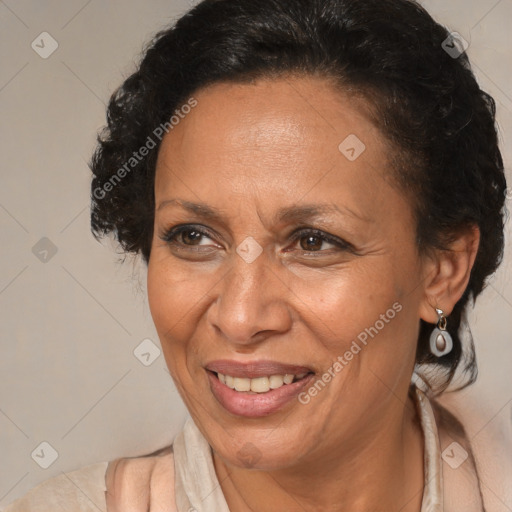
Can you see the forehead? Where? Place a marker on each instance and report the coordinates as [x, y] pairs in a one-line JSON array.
[[277, 140]]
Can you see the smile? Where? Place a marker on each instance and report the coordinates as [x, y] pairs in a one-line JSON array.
[[256, 389], [259, 384]]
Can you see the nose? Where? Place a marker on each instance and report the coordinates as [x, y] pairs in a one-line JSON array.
[[252, 303]]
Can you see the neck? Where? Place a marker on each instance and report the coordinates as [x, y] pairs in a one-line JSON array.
[[381, 469]]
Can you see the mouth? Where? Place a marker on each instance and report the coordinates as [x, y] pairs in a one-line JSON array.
[[258, 385], [256, 389]]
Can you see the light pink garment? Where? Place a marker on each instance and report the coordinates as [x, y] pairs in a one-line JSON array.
[[78, 491], [197, 488]]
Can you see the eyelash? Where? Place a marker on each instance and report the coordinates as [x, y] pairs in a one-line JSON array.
[[171, 234], [324, 237]]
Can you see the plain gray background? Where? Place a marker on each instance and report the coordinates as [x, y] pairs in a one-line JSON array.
[[72, 319]]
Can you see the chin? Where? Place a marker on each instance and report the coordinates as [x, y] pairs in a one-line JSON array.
[[262, 456], [250, 445]]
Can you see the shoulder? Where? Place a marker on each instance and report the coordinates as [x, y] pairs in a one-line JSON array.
[[141, 483], [460, 477], [77, 491], [132, 483], [472, 464]]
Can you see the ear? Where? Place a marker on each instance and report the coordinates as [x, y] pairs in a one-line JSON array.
[[447, 274]]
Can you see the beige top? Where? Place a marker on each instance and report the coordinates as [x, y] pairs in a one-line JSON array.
[[197, 488]]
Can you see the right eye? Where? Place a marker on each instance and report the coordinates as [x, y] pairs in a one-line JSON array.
[[186, 236]]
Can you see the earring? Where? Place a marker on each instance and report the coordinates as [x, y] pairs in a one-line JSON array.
[[441, 342]]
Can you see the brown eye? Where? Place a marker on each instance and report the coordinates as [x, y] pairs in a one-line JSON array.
[[187, 236], [311, 242], [316, 241], [191, 237]]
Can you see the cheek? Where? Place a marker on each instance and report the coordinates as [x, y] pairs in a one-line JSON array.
[[349, 299], [173, 302], [174, 298], [365, 313]]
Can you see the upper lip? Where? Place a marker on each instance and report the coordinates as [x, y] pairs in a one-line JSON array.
[[254, 369]]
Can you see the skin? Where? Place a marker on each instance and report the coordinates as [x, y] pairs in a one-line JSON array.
[[249, 150]]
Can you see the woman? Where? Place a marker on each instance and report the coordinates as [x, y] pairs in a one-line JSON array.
[[318, 193]]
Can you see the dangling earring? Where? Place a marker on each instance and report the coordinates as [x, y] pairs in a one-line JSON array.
[[441, 342]]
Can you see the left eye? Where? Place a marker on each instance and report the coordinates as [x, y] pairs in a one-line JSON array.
[[315, 241]]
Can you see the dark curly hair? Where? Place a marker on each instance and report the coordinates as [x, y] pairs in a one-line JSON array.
[[426, 102]]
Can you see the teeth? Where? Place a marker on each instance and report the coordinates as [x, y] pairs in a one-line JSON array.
[[242, 384], [259, 384], [288, 379], [230, 382], [276, 381]]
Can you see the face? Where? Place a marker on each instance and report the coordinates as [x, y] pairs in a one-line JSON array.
[[283, 251]]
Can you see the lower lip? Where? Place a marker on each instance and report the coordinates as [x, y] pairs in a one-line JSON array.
[[255, 405]]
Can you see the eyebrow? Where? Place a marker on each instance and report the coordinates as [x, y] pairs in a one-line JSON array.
[[297, 213]]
